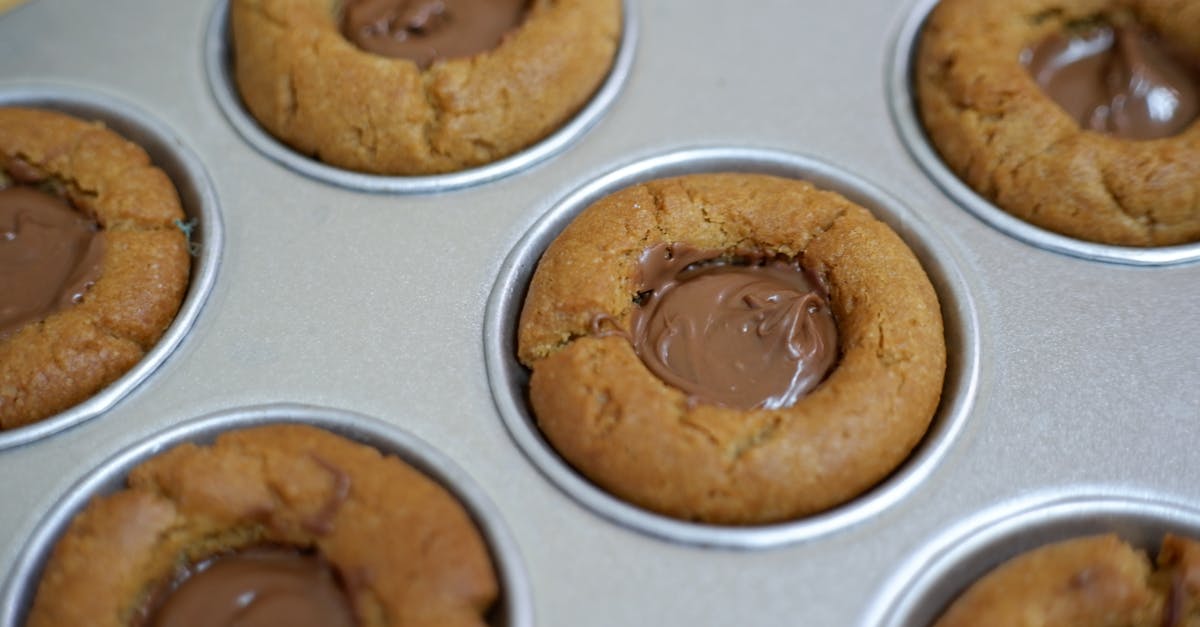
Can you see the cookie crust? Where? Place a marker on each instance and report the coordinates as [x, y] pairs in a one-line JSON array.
[[1013, 145], [405, 549], [640, 439], [319, 93], [49, 366], [1086, 582]]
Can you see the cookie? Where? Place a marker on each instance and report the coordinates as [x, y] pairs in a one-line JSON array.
[[353, 532], [719, 460], [52, 359], [310, 86], [1099, 144], [1091, 581]]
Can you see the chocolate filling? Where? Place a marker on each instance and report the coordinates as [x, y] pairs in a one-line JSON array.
[[746, 332], [50, 254], [1120, 80], [255, 587], [428, 30]]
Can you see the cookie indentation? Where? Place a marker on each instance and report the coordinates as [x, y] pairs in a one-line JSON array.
[[259, 587], [50, 255], [746, 332], [427, 30], [1119, 80]]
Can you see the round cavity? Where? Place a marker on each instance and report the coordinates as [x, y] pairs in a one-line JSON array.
[[902, 102], [514, 609], [509, 379], [206, 235], [218, 54], [929, 582]]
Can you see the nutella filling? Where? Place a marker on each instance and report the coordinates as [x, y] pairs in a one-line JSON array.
[[750, 332], [50, 254], [428, 30], [1118, 80], [259, 587]]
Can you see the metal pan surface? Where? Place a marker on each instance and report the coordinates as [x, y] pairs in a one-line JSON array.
[[1073, 373]]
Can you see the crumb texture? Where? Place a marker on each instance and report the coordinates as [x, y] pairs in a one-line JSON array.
[[609, 416], [1015, 146]]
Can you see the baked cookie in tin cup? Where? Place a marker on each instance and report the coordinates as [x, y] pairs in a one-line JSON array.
[[825, 305], [1077, 117], [419, 88], [1074, 556], [94, 264], [1087, 581], [282, 514]]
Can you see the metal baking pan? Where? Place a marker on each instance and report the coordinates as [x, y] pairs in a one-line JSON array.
[[1073, 381]]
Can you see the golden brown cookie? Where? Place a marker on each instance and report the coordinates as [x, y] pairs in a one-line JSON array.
[[998, 131], [405, 550], [309, 86], [51, 365], [644, 441], [1094, 581]]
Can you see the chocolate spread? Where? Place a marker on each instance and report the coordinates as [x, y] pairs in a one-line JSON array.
[[260, 587], [50, 254], [743, 332], [427, 30], [1119, 80]]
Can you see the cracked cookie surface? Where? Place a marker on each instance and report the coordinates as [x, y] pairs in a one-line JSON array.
[[404, 549], [632, 434], [319, 93], [53, 364], [997, 130]]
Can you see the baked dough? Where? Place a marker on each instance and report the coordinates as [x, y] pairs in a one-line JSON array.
[[1093, 581], [642, 440], [319, 93], [49, 366], [405, 549], [1010, 142]]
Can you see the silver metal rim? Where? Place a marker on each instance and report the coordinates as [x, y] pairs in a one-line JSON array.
[[912, 132], [218, 55], [198, 195], [516, 609], [508, 378], [929, 581]]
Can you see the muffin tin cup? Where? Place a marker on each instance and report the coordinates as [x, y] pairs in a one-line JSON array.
[[509, 379], [515, 607], [218, 55], [200, 206], [902, 103], [926, 584]]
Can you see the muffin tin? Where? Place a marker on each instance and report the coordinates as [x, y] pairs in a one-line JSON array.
[[1073, 379]]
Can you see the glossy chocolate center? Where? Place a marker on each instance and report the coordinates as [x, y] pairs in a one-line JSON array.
[[427, 30], [744, 333], [261, 587], [1117, 80], [50, 254]]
